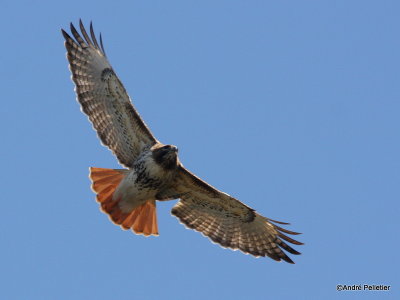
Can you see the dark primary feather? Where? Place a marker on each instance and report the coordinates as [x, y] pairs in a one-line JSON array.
[[103, 97], [227, 221]]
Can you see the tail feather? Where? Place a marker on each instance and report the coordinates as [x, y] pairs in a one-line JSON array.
[[142, 220]]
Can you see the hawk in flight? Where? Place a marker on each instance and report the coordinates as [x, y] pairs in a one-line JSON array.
[[153, 171]]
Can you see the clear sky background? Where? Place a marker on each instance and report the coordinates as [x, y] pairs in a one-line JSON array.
[[290, 106]]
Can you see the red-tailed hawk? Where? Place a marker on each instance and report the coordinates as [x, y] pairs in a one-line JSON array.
[[153, 170]]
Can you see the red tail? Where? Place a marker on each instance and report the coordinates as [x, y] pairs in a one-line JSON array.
[[142, 220]]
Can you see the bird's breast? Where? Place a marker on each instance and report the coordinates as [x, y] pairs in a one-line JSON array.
[[142, 184]]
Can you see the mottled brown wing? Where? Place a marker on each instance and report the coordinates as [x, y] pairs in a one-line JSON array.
[[104, 99], [227, 221]]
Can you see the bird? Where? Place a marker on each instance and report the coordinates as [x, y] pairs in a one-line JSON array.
[[152, 170]]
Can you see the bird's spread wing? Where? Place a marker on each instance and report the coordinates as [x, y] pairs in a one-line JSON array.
[[227, 221], [104, 99]]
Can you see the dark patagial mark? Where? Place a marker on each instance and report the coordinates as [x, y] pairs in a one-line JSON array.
[[132, 113]]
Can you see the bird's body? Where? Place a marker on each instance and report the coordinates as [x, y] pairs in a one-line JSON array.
[[153, 170], [148, 178]]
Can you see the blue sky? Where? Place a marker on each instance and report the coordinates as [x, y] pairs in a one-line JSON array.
[[290, 106]]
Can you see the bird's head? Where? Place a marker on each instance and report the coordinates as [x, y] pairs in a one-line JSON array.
[[166, 156]]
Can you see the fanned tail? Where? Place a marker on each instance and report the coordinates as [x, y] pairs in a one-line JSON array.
[[142, 220]]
